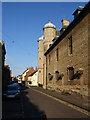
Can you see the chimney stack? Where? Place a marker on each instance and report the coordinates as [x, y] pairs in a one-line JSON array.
[[36, 68], [65, 23], [77, 11]]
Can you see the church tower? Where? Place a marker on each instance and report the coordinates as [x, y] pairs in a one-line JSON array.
[[40, 61], [49, 35], [44, 43]]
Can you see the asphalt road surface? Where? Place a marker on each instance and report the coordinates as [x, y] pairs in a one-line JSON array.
[[40, 105], [34, 104]]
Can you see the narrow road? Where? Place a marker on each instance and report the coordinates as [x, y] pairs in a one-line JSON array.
[[12, 109], [36, 104]]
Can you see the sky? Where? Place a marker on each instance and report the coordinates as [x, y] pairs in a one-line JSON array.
[[22, 25]]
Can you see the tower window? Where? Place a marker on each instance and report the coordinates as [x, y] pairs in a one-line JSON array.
[[57, 54], [39, 71], [70, 45], [49, 59]]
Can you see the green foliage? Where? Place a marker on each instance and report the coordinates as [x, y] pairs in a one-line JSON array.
[[78, 74], [61, 76], [50, 77]]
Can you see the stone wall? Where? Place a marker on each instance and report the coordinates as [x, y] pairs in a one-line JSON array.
[[78, 59], [40, 61]]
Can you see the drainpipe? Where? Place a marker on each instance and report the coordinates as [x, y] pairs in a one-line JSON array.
[[46, 71]]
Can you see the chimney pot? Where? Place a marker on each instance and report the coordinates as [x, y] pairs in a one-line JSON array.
[[77, 11], [65, 23], [36, 68]]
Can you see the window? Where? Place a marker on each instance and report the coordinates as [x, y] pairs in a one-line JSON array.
[[30, 82], [70, 73], [70, 45], [49, 59], [50, 45], [39, 71], [57, 54], [56, 75]]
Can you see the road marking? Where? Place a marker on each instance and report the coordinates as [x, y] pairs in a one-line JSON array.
[[66, 103]]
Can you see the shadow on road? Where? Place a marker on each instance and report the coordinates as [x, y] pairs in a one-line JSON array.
[[21, 109], [30, 109]]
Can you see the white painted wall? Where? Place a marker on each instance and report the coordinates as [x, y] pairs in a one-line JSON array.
[[19, 79], [24, 74], [33, 79]]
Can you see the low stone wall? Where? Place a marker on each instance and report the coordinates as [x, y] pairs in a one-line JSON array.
[[71, 90]]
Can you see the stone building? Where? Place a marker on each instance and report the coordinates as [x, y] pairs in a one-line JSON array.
[[2, 56], [44, 43], [67, 58], [3, 52], [63, 60], [6, 72]]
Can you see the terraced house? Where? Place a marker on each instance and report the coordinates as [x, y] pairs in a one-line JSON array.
[[67, 57]]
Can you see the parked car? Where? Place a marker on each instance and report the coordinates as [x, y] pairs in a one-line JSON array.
[[22, 84], [12, 91], [16, 84]]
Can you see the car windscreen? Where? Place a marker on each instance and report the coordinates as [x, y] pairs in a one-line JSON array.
[[12, 88]]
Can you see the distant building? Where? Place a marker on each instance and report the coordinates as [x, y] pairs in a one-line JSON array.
[[33, 79], [19, 78], [26, 73]]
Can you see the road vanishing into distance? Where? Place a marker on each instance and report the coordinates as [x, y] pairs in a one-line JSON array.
[[34, 104]]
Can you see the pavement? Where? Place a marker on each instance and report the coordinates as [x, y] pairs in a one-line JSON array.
[[76, 100]]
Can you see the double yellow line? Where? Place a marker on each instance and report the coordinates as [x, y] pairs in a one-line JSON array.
[[65, 103]]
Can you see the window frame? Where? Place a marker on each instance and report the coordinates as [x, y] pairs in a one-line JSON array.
[[70, 49], [57, 53], [49, 59]]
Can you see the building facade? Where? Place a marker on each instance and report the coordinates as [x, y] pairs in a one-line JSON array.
[[24, 76], [19, 78], [44, 43], [33, 79], [6, 72], [66, 60], [26, 73]]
